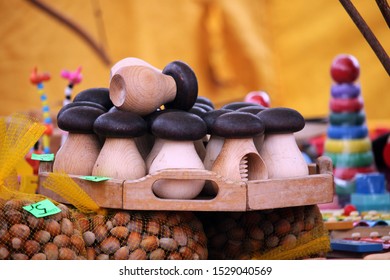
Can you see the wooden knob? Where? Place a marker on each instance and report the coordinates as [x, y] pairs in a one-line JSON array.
[[141, 88]]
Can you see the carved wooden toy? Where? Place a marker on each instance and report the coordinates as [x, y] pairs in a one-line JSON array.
[[204, 100], [215, 143], [179, 129], [279, 149], [95, 95], [119, 157], [255, 109], [141, 88], [158, 142], [82, 146], [239, 159]]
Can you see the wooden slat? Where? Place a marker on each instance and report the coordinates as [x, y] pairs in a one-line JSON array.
[[279, 193], [138, 195], [107, 194]]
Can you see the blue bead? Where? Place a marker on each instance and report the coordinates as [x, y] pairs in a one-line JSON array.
[[347, 132]]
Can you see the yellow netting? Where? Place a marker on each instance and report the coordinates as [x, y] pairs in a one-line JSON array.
[[18, 133], [63, 185]]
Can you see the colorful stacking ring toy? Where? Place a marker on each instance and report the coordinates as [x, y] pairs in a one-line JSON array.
[[339, 105], [348, 146], [357, 118], [352, 159], [347, 132], [345, 90], [349, 173]]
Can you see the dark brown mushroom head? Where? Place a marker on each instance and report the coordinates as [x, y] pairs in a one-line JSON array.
[[186, 85], [149, 119], [206, 101], [281, 120], [96, 95], [237, 125], [120, 124], [180, 126], [210, 117], [237, 105], [79, 117], [254, 109], [197, 110], [80, 103]]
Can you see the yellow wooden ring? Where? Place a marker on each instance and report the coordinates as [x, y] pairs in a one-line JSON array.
[[347, 145]]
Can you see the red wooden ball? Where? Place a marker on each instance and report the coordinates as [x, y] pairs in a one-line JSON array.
[[345, 68]]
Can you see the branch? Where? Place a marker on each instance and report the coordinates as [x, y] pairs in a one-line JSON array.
[[367, 33], [73, 26]]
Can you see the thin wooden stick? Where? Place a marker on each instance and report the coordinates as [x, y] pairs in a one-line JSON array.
[[367, 33], [385, 10], [75, 27]]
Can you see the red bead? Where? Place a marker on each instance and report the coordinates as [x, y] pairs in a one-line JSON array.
[[258, 97], [345, 69], [348, 209]]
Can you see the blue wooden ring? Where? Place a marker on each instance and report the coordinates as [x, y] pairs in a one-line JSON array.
[[347, 132]]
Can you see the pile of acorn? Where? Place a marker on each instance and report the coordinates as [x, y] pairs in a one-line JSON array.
[[119, 235], [150, 120]]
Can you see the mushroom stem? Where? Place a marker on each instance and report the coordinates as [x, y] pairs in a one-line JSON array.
[[282, 156], [119, 158], [78, 154], [158, 143], [145, 144], [177, 154], [213, 148], [230, 161], [141, 89]]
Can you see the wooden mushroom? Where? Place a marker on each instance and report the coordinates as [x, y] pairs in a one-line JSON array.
[[255, 109], [158, 142], [141, 88], [215, 143], [280, 150], [237, 105], [82, 146], [205, 100], [96, 95], [119, 157], [179, 129], [200, 147], [239, 159]]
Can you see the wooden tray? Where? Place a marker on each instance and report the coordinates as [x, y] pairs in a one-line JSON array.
[[317, 187]]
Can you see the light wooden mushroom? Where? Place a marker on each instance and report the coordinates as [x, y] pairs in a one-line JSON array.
[[254, 109], [179, 129], [119, 157], [158, 142], [141, 88], [215, 143], [239, 159], [280, 151], [82, 146]]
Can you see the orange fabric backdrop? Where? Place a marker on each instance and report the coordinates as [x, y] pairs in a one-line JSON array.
[[234, 46]]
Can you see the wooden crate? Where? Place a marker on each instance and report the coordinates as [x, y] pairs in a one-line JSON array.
[[317, 187]]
